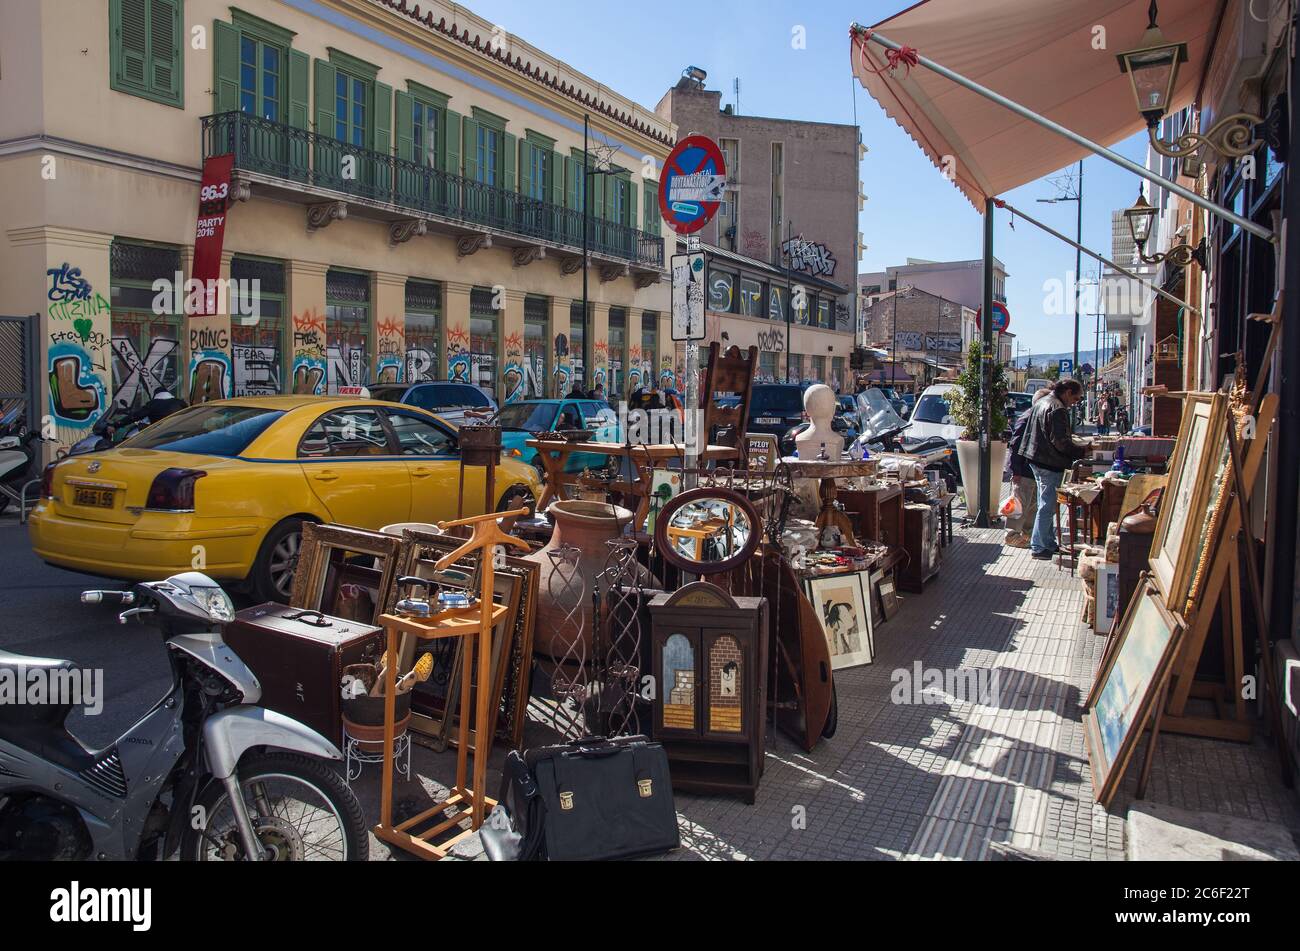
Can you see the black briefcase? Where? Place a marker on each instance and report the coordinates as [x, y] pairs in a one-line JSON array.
[[592, 799]]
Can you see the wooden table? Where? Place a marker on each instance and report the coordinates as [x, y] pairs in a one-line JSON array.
[[644, 458], [827, 471]]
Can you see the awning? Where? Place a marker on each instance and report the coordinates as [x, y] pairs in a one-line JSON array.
[[1040, 53]]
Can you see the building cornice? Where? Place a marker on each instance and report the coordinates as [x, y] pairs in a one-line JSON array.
[[54, 145], [67, 237]]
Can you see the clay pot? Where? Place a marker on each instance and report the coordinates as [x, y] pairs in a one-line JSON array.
[[587, 526]]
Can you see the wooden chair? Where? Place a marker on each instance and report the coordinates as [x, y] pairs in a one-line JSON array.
[[729, 372]]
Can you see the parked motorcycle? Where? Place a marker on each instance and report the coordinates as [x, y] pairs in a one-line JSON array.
[[205, 773], [110, 429], [17, 456]]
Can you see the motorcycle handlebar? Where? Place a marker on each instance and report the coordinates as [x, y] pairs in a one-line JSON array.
[[108, 597]]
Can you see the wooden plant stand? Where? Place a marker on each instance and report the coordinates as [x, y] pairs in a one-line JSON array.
[[415, 835]]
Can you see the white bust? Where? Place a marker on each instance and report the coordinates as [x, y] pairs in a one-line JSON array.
[[819, 403]]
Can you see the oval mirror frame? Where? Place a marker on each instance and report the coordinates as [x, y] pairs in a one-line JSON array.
[[674, 558]]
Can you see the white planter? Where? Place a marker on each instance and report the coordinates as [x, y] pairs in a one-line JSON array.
[[968, 457]]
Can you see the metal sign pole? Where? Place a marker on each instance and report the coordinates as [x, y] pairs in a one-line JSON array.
[[693, 435]]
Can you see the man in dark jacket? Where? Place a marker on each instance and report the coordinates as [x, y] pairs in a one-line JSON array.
[[1022, 479], [1051, 449]]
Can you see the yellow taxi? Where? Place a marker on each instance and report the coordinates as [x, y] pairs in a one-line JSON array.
[[226, 487]]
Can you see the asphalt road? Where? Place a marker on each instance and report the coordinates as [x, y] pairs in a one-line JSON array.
[[41, 614]]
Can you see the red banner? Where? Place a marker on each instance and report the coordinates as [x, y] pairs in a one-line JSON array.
[[210, 233]]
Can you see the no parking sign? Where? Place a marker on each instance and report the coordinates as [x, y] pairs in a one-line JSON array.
[[692, 185]]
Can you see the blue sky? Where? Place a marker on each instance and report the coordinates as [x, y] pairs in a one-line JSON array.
[[640, 49]]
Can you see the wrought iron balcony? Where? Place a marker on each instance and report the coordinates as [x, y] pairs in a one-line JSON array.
[[321, 167]]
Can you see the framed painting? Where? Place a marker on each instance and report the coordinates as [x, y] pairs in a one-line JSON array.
[[843, 609], [1127, 685], [1188, 494], [435, 710], [345, 572], [1107, 598]]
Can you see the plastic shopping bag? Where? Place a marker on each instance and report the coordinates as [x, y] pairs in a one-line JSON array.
[[1011, 507]]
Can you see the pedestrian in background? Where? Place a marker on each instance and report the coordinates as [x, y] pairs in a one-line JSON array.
[[1023, 486], [1050, 448]]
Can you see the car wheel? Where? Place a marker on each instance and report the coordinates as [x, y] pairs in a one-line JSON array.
[[272, 576], [516, 497]]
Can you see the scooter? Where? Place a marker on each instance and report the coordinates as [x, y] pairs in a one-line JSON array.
[[17, 452], [206, 772], [110, 429]]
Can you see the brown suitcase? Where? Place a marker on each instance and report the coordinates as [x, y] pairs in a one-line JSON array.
[[299, 656]]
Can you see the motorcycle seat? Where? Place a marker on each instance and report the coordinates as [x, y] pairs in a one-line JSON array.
[[21, 662]]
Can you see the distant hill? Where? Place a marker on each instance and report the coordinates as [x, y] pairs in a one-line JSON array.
[[1086, 355]]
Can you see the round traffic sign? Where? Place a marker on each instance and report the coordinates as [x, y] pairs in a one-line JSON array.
[[692, 184], [1001, 317]]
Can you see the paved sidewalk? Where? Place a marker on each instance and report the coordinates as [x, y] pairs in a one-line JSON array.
[[953, 778]]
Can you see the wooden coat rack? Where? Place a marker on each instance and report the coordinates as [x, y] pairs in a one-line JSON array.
[[467, 796]]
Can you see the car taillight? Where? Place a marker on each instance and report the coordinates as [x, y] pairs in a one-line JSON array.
[[47, 481], [173, 490]]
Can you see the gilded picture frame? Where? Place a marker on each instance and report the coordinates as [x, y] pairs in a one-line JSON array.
[[329, 559]]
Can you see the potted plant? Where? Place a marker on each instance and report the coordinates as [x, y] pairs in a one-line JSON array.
[[965, 409]]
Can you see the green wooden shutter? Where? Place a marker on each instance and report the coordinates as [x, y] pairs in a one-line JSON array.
[[557, 166], [324, 98], [165, 48], [570, 183], [383, 118], [299, 90], [403, 126], [299, 110], [383, 137], [597, 191], [225, 62], [328, 155], [525, 168], [511, 153], [133, 42], [452, 146], [631, 206], [470, 163]]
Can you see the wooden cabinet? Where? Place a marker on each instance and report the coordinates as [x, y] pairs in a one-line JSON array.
[[877, 513], [709, 661], [921, 542]]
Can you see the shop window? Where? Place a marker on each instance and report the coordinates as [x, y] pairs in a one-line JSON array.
[[146, 340], [347, 329], [649, 346], [536, 346], [255, 344], [423, 330], [751, 297], [837, 372], [145, 52], [767, 366], [777, 300], [795, 367], [577, 344], [617, 354], [722, 287], [483, 330], [818, 369]]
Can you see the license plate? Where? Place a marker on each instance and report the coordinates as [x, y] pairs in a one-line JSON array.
[[768, 420], [98, 498]]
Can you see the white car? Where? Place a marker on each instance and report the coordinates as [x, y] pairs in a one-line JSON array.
[[932, 415]]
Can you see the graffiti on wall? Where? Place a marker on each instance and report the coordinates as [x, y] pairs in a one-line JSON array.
[[600, 363], [771, 341], [347, 367], [390, 351], [563, 373], [309, 353], [211, 373], [458, 363], [755, 243], [514, 377], [256, 370], [810, 257], [667, 376], [78, 341], [140, 378], [634, 374]]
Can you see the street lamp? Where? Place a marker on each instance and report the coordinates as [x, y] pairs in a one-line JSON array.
[[1152, 69], [1140, 219]]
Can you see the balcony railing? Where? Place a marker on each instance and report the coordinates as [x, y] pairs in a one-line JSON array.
[[319, 161]]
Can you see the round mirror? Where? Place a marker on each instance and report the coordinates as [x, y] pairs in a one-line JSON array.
[[707, 531]]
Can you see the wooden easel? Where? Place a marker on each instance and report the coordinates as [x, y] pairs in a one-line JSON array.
[[1224, 590], [454, 623]]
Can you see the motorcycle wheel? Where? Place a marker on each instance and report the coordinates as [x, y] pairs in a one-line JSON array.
[[290, 798]]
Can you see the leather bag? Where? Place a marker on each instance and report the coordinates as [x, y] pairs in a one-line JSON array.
[[589, 800]]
